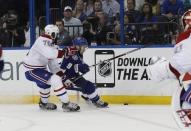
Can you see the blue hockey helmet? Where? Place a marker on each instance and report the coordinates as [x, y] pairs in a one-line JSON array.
[[80, 41]]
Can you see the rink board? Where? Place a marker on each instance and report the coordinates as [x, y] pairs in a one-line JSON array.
[[130, 83], [113, 99]]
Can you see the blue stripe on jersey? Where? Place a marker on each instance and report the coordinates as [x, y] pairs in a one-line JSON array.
[[62, 94]]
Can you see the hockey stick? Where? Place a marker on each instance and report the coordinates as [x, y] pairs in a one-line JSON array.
[[123, 54], [118, 56]]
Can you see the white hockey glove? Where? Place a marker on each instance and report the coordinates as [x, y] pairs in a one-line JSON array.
[[158, 69]]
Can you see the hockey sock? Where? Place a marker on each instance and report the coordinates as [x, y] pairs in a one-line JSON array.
[[44, 95], [61, 93], [94, 97]]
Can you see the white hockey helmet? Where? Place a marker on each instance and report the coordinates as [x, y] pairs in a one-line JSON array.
[[186, 20], [52, 31]]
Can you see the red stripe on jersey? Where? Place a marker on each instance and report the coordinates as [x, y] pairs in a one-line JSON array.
[[174, 71], [60, 53], [182, 36], [187, 77], [46, 36], [60, 73]]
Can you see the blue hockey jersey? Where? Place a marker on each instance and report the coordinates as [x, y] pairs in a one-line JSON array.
[[73, 65]]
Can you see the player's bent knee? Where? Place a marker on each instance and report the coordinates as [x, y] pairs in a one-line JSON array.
[[56, 81], [158, 69], [89, 88]]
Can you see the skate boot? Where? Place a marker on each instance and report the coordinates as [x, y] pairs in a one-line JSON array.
[[87, 100], [70, 107], [100, 104], [47, 106]]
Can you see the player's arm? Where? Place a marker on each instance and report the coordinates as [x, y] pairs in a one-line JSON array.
[[54, 66], [52, 52], [81, 66], [48, 50]]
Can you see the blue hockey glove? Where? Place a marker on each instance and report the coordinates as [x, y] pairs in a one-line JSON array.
[[67, 83]]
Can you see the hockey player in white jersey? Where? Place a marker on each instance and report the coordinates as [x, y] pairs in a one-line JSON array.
[[180, 63], [42, 68]]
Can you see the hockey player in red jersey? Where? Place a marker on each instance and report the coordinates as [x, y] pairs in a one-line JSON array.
[[180, 62], [178, 66], [42, 67], [186, 24]]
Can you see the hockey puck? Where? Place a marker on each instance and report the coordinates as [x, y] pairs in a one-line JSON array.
[[125, 104]]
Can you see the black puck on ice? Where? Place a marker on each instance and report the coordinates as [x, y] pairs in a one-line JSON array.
[[125, 104]]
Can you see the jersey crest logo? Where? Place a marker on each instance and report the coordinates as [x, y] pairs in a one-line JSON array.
[[69, 65], [46, 75], [75, 57], [104, 68]]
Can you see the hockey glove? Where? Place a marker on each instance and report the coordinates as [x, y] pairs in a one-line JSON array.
[[83, 68], [70, 51], [66, 82]]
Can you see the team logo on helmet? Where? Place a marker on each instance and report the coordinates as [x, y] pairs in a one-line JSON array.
[[104, 68]]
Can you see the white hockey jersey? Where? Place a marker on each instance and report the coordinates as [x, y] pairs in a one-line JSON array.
[[42, 54]]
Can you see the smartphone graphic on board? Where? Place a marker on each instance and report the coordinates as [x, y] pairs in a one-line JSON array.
[[105, 71]]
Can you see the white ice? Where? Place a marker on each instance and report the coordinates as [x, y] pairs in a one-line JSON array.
[[114, 118]]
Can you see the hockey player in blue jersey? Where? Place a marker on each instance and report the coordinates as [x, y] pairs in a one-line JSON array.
[[73, 66]]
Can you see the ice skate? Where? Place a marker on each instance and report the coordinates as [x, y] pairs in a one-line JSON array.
[[100, 104], [70, 107], [47, 106], [86, 99]]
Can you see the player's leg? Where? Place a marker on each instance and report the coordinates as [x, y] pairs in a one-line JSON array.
[[89, 89], [181, 106], [186, 97], [40, 77], [60, 91], [43, 103]]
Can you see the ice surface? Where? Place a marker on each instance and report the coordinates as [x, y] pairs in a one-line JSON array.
[[114, 118]]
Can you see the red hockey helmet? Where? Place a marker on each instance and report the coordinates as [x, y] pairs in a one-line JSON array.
[[186, 20]]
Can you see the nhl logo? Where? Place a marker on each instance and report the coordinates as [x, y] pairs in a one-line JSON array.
[[104, 68]]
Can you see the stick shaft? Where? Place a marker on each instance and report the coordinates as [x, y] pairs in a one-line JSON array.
[[123, 54]]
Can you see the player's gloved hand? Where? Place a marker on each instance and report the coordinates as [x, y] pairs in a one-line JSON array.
[[83, 68], [70, 51], [66, 82]]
